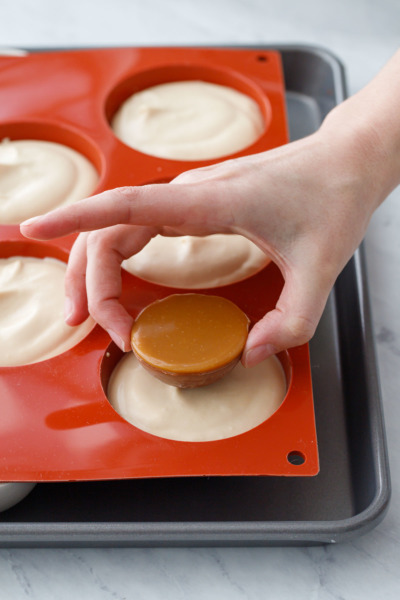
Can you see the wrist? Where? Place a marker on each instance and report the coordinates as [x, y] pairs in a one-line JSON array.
[[372, 121], [369, 148]]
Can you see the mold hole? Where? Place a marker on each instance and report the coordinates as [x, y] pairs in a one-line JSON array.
[[296, 458], [31, 307], [189, 126], [262, 58]]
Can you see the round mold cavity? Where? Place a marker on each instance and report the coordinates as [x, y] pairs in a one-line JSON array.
[[48, 131], [181, 73], [154, 263], [197, 262], [114, 355], [110, 360], [9, 248], [13, 492], [74, 337], [44, 131]]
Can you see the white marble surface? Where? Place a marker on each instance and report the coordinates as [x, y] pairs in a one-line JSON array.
[[364, 34]]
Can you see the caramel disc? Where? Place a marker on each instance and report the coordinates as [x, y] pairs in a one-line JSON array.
[[190, 339]]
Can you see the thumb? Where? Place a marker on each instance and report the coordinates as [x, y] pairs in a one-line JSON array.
[[293, 321]]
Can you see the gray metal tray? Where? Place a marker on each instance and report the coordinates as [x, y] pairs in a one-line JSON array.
[[348, 497]]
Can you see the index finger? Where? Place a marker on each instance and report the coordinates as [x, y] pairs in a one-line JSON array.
[[154, 205]]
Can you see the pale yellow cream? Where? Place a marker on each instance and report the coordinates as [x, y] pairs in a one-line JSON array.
[[189, 120], [32, 326], [38, 176], [233, 405], [197, 262]]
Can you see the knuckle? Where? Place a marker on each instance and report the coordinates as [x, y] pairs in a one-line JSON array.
[[97, 307], [95, 240], [300, 328], [186, 177], [125, 198], [70, 278], [94, 306], [126, 192]]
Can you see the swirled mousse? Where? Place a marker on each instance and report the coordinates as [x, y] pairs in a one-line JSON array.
[[38, 176], [237, 403], [190, 340], [189, 120], [194, 263], [32, 326]]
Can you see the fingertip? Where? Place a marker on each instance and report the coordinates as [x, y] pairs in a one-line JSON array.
[[74, 321], [29, 222], [36, 228], [122, 343], [253, 356], [26, 226], [68, 310], [74, 316]]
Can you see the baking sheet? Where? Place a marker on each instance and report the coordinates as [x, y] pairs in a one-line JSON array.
[[351, 492]]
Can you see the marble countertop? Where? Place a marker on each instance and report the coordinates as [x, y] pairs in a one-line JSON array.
[[363, 34]]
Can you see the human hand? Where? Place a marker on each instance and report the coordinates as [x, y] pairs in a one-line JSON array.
[[306, 204]]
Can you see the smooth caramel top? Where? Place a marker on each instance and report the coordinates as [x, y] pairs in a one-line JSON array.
[[190, 333]]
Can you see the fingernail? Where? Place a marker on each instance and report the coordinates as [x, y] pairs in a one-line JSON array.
[[68, 309], [29, 221], [256, 355], [117, 339]]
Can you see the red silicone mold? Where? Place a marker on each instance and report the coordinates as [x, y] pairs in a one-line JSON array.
[[57, 424]]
